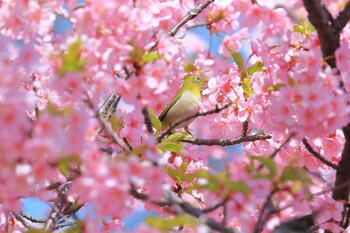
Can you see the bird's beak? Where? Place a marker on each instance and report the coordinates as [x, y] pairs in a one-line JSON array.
[[205, 82]]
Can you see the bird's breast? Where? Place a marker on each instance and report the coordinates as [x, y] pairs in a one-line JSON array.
[[187, 105]]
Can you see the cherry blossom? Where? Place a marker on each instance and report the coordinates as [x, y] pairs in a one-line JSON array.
[[79, 114]]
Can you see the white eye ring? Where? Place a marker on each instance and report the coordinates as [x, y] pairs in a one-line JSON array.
[[197, 78]]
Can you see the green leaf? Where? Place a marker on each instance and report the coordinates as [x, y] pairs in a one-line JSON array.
[[290, 173], [155, 122], [246, 87], [207, 181], [169, 224], [64, 163], [55, 111], [305, 28], [116, 123], [239, 186], [238, 59], [177, 174], [175, 137], [172, 173], [291, 82], [173, 147], [218, 182], [136, 54], [71, 60], [190, 68], [268, 163], [138, 150], [276, 87], [298, 28], [257, 67], [151, 56]]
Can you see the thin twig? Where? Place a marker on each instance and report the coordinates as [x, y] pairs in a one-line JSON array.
[[200, 24], [227, 142], [110, 132], [173, 126], [107, 150], [273, 155], [282, 145], [127, 143], [245, 128], [113, 106], [70, 209], [261, 222], [148, 121], [214, 207], [106, 126], [190, 15], [32, 219], [58, 206], [145, 197], [24, 223], [180, 206], [343, 18], [183, 206], [318, 156], [65, 224], [108, 107]]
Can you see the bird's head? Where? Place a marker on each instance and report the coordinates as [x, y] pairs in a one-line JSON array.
[[194, 82]]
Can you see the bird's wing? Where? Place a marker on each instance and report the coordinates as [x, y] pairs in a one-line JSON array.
[[166, 110]]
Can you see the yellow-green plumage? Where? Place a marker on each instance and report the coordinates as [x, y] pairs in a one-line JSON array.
[[185, 103]]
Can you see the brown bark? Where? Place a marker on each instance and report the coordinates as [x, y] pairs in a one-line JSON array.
[[328, 30]]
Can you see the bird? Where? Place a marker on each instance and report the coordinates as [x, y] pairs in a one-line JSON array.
[[185, 103]]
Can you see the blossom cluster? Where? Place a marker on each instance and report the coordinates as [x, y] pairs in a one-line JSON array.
[[268, 67]]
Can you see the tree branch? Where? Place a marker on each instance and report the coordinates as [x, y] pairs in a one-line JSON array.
[[214, 207], [57, 208], [273, 155], [108, 107], [301, 224], [24, 223], [227, 142], [329, 36], [174, 200], [148, 121], [65, 224], [342, 186], [328, 29], [245, 128], [343, 18], [110, 132], [318, 156], [180, 206], [173, 126], [105, 125], [190, 15], [32, 219], [268, 203]]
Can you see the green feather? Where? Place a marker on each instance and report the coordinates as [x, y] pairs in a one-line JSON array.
[[191, 84], [168, 107]]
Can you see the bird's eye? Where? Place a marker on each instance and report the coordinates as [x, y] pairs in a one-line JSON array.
[[197, 78]]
